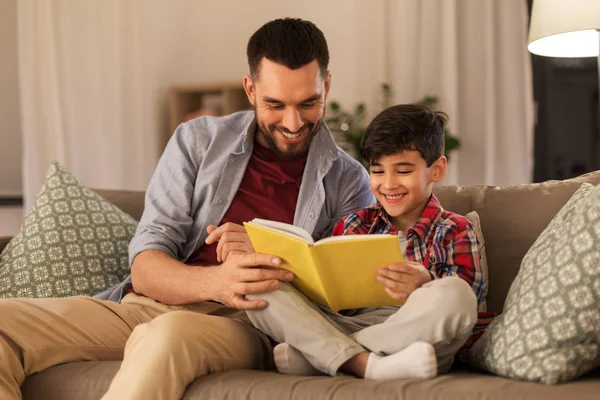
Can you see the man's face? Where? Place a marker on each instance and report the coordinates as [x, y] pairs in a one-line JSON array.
[[289, 105], [402, 183]]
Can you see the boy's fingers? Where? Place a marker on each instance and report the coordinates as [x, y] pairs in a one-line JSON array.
[[394, 285], [401, 267], [396, 296], [393, 275]]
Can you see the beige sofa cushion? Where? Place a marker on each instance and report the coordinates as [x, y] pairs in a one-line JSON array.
[[89, 381], [512, 218]]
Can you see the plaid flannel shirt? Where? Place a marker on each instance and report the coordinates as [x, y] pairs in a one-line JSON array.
[[443, 242]]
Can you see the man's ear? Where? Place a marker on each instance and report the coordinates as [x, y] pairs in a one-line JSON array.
[[249, 88], [327, 83], [438, 169]]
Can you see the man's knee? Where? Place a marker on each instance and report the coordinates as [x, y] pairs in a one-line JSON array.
[[211, 338], [177, 326]]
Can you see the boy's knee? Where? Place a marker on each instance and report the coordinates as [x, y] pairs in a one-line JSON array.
[[454, 297]]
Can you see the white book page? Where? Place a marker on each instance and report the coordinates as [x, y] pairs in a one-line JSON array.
[[348, 238], [284, 228]]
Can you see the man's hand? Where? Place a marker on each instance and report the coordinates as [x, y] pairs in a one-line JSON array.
[[245, 274], [232, 239], [403, 279]]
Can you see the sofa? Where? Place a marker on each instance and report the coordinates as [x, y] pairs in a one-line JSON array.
[[511, 217]]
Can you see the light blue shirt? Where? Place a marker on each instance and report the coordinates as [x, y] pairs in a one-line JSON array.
[[199, 174]]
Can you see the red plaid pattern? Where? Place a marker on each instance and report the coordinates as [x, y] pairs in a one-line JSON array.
[[443, 242]]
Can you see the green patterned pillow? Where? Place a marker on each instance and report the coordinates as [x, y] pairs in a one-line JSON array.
[[73, 242], [550, 328]]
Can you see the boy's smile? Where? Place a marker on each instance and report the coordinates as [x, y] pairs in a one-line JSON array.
[[402, 183]]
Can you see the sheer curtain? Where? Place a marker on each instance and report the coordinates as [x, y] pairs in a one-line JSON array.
[[85, 97], [472, 54], [94, 75]]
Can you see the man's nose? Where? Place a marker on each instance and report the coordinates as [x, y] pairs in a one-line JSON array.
[[292, 120]]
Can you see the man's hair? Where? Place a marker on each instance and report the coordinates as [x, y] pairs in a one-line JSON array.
[[405, 127], [289, 41]]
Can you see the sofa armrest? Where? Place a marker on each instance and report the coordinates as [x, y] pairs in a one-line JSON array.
[[3, 242]]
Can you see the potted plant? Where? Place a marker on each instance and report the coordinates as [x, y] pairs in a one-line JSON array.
[[349, 127]]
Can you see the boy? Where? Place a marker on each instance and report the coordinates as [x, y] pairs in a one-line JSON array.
[[440, 281]]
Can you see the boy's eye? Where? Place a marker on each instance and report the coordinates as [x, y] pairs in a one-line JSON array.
[[404, 172], [376, 172]]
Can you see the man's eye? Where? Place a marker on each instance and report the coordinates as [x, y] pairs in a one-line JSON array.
[[308, 105], [275, 106]]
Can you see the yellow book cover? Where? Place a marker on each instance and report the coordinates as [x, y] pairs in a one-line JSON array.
[[339, 272]]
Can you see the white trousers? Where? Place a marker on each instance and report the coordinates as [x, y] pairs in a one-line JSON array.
[[442, 312]]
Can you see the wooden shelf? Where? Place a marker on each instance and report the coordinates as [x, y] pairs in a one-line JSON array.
[[214, 98]]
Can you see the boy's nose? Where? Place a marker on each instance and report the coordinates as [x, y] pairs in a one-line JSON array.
[[389, 182]]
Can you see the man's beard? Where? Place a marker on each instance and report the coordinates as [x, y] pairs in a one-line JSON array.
[[269, 132]]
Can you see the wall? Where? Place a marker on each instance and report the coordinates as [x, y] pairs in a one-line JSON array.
[[10, 122], [96, 74], [205, 41]]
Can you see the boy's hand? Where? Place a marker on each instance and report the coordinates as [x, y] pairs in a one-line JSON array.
[[232, 239], [403, 279]]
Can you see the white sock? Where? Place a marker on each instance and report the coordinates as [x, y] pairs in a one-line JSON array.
[[292, 362], [416, 361]]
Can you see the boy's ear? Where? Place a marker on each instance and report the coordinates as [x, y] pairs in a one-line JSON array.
[[438, 169]]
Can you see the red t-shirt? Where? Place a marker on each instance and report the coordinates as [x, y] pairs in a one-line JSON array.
[[268, 190]]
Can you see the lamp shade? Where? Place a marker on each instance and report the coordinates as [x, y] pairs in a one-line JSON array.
[[564, 28]]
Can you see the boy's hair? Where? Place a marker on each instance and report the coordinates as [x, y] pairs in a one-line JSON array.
[[405, 127], [289, 41]]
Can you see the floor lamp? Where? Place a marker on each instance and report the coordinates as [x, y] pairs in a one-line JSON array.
[[566, 28]]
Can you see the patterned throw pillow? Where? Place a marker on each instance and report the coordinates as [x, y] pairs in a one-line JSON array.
[[550, 328], [73, 242]]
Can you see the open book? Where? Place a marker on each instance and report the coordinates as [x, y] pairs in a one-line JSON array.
[[339, 272]]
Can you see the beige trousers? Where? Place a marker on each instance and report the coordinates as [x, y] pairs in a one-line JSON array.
[[163, 348], [442, 312]]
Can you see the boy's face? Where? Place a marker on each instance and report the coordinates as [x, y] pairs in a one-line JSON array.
[[402, 183]]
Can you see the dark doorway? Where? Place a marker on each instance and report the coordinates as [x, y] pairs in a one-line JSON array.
[[567, 130]]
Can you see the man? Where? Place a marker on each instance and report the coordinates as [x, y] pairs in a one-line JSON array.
[[181, 315]]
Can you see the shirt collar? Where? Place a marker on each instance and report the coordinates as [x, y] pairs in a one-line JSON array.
[[431, 215]]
